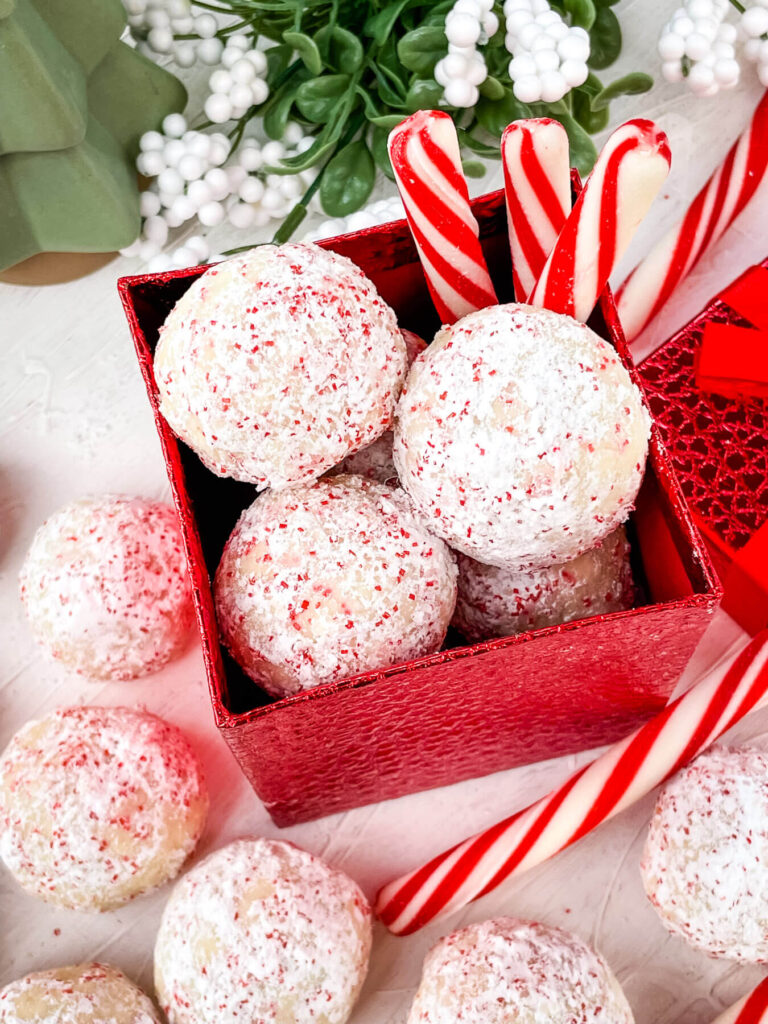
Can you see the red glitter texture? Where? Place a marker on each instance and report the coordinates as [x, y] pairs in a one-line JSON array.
[[466, 711]]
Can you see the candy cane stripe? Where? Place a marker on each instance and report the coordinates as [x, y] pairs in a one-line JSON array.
[[752, 1009]]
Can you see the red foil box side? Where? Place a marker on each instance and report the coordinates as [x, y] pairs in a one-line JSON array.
[[466, 711]]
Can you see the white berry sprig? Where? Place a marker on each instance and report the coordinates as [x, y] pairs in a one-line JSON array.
[[549, 57], [239, 84], [753, 27], [169, 28], [697, 46], [463, 69]]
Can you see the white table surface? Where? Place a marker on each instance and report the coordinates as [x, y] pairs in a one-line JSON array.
[[74, 419]]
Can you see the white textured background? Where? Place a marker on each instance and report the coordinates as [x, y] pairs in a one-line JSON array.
[[74, 419]]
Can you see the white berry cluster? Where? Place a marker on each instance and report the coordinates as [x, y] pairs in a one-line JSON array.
[[754, 28], [155, 24], [549, 57], [462, 70], [380, 212], [697, 45], [192, 181], [239, 84]]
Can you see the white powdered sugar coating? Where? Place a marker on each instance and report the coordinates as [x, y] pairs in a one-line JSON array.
[[98, 805], [90, 993], [275, 365], [331, 579], [507, 970], [705, 860], [494, 602], [262, 931], [521, 437], [375, 462], [105, 587]]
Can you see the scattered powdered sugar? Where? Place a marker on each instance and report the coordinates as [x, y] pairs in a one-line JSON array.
[[90, 993], [105, 587], [494, 602], [275, 365], [521, 437], [331, 579], [262, 931], [705, 860], [508, 970], [98, 805]]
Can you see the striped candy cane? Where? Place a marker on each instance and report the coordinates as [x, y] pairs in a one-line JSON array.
[[752, 1009], [627, 175], [425, 156], [615, 780], [537, 184], [715, 207]]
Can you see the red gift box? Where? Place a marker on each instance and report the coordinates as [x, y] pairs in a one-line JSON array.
[[465, 711]]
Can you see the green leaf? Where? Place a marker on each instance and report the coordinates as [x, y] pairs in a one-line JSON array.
[[380, 25], [277, 110], [387, 121], [342, 50], [318, 98], [306, 49], [387, 93], [590, 120], [492, 89], [289, 225], [583, 152], [347, 180], [495, 115], [604, 39], [379, 137], [477, 146], [278, 59], [422, 48], [321, 148], [424, 94], [473, 168], [582, 12], [627, 85]]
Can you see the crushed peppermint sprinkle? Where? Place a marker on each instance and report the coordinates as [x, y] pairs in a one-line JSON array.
[[98, 805], [504, 970], [331, 579], [705, 860], [375, 461], [521, 437], [262, 931], [276, 365], [91, 993], [494, 602], [105, 587]]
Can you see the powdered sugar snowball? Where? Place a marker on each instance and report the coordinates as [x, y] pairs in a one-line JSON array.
[[98, 805], [494, 602], [90, 993], [508, 970], [331, 579], [705, 860], [105, 587], [375, 461], [277, 364], [262, 931], [521, 437]]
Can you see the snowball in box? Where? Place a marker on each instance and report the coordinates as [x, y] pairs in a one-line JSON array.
[[275, 365], [521, 437]]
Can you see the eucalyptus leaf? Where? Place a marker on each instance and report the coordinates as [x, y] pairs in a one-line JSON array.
[[348, 180], [306, 49], [583, 152], [380, 151], [582, 12], [604, 39], [492, 88], [318, 98], [342, 50], [424, 94], [422, 48], [627, 85]]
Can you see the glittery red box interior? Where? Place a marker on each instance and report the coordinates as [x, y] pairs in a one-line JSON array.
[[466, 711]]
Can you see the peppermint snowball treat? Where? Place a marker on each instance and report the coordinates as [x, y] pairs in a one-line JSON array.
[[276, 365], [262, 931], [331, 579], [521, 437], [105, 587], [375, 461], [705, 861], [84, 994], [505, 971], [494, 602], [98, 805]]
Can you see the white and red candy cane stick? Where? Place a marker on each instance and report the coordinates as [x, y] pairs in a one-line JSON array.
[[625, 773], [425, 156], [719, 202], [752, 1009], [537, 184], [625, 180]]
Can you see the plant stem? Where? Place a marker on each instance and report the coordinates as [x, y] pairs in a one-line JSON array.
[[739, 6]]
